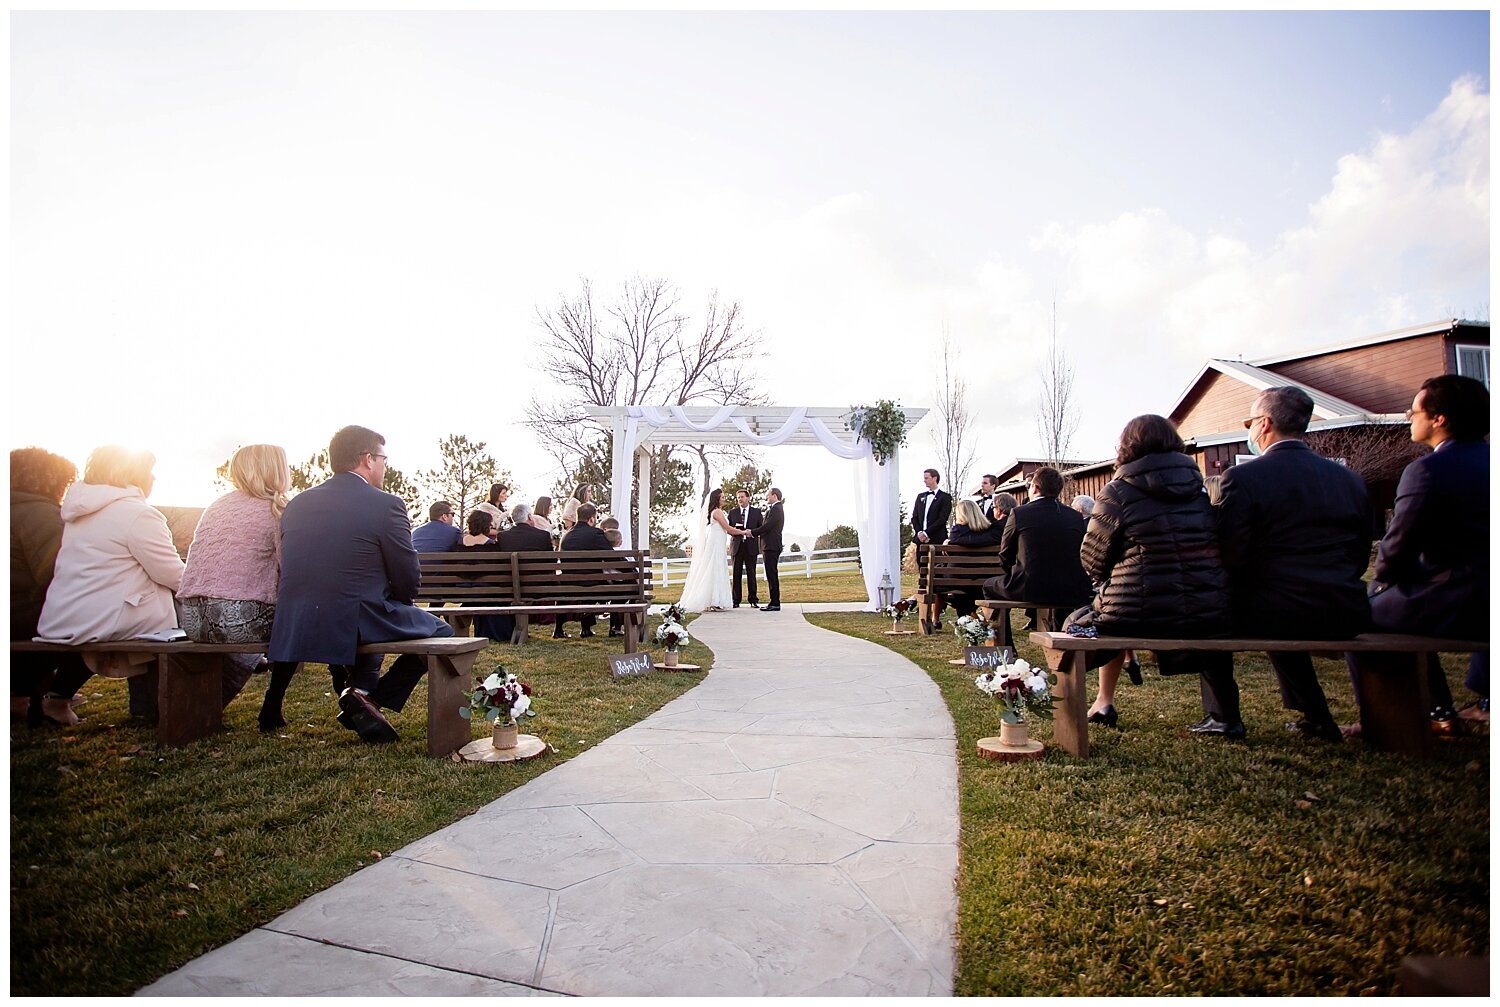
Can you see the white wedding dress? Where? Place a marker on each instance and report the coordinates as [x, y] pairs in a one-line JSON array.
[[707, 585]]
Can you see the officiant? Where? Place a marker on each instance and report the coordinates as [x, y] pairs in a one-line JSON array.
[[747, 549]]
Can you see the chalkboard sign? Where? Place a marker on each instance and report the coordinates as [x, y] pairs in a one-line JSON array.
[[986, 657], [630, 664]]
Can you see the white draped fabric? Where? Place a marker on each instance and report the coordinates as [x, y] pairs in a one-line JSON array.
[[875, 500]]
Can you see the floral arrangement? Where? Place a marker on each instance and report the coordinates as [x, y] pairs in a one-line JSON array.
[[883, 425], [501, 697], [671, 633], [1019, 689], [898, 610], [972, 630], [674, 613]]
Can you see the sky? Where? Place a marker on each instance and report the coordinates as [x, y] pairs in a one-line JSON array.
[[258, 227]]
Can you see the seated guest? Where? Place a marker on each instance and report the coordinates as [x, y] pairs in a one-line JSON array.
[[38, 480], [584, 536], [1212, 485], [1152, 547], [584, 494], [116, 570], [1039, 552], [616, 541], [1294, 533], [1004, 504], [438, 534], [973, 530], [481, 531], [541, 514], [348, 577], [1432, 571], [495, 505], [228, 592], [523, 535]]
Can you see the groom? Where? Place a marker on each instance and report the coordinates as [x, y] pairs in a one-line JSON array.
[[769, 534], [745, 518]]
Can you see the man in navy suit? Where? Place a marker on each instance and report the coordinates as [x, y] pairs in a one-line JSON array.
[[1294, 534], [1432, 571], [348, 577], [439, 534]]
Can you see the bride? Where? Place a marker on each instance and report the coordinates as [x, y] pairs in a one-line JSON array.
[[707, 584]]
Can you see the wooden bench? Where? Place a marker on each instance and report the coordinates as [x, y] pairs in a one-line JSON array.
[[1048, 617], [526, 584], [943, 568], [188, 694], [1393, 689]]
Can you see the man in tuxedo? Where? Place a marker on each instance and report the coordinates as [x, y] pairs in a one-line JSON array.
[[348, 577], [582, 537], [769, 536], [929, 516], [745, 548], [1432, 571], [1039, 552], [985, 498], [1294, 534], [439, 534]]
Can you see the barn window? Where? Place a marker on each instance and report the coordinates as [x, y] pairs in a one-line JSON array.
[[1474, 362]]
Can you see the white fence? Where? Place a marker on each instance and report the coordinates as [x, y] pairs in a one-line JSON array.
[[666, 571]]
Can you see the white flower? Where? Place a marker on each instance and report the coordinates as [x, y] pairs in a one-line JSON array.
[[1020, 663], [493, 682], [520, 706], [1037, 683]]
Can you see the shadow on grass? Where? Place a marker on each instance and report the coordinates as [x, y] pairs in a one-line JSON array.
[[1170, 864], [128, 861]]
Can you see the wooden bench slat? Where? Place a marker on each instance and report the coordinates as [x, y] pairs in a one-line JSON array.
[[1364, 643]]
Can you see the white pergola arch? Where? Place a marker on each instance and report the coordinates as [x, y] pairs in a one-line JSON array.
[[877, 495]]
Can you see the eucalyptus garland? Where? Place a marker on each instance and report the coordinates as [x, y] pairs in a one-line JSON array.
[[883, 425]]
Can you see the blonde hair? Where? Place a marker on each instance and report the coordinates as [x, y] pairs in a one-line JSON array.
[[970, 514], [113, 465], [260, 471]]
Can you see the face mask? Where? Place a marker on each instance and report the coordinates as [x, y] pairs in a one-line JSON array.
[[1253, 447]]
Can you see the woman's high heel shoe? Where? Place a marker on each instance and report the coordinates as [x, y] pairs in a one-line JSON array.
[[1107, 716]]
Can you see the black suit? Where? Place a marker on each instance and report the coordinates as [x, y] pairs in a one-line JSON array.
[[930, 514], [1039, 547], [745, 549], [524, 538], [769, 534], [1294, 533], [582, 537], [348, 576]]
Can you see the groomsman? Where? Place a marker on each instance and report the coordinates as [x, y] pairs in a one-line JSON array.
[[929, 518], [985, 498], [745, 549], [769, 534]]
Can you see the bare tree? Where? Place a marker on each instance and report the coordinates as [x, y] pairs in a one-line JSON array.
[[954, 421], [1376, 452], [640, 349], [1057, 413]]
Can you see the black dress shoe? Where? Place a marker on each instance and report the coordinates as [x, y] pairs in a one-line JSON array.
[[364, 717], [737, 605], [1133, 669], [1210, 725], [617, 632], [1313, 729], [1108, 716], [587, 634], [771, 608]]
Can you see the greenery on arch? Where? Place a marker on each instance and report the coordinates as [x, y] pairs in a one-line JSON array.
[[883, 425]]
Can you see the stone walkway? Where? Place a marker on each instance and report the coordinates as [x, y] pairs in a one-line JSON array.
[[788, 827]]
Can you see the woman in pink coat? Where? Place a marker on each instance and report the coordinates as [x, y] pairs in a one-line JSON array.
[[117, 568], [228, 592]]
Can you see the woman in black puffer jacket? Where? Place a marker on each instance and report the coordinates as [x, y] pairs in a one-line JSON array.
[[1152, 547]]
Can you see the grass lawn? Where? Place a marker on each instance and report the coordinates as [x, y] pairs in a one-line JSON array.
[[795, 587], [1168, 864], [127, 861]]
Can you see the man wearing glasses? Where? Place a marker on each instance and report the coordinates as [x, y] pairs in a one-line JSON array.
[[348, 577], [1294, 533]]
